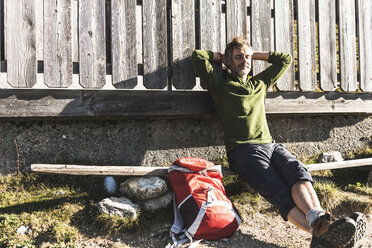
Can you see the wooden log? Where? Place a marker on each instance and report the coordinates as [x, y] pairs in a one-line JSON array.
[[95, 170], [340, 165]]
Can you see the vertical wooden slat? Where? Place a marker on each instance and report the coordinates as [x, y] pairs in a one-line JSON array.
[[261, 30], [155, 44], [39, 29], [75, 30], [92, 43], [348, 67], [211, 37], [236, 19], [306, 45], [57, 43], [365, 44], [210, 25], [183, 23], [124, 44], [327, 45], [284, 39], [21, 43]]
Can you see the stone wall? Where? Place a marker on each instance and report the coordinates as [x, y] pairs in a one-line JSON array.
[[153, 142]]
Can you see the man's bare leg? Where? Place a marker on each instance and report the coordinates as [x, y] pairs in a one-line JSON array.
[[298, 218], [305, 199], [304, 196]]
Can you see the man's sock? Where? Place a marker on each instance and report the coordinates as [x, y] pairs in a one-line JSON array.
[[313, 215]]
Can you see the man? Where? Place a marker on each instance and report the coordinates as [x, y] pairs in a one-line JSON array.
[[267, 166]]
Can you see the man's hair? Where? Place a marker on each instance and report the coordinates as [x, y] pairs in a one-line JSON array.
[[236, 42]]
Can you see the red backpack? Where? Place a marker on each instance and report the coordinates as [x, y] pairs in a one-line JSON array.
[[202, 209]]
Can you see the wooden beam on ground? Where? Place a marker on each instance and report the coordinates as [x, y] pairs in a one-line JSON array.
[[62, 103], [340, 165], [95, 170]]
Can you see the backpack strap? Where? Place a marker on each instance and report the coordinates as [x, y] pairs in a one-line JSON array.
[[178, 234]]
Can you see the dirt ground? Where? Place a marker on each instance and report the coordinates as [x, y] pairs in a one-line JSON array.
[[258, 230]]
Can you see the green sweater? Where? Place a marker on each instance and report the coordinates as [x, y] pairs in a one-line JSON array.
[[241, 106]]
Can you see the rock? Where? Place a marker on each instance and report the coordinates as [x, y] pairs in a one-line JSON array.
[[158, 203], [143, 188], [23, 230], [332, 156], [109, 185], [119, 206]]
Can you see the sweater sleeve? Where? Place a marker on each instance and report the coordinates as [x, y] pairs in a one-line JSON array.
[[202, 62], [280, 62]]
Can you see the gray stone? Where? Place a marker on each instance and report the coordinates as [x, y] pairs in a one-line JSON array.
[[332, 156], [23, 230], [158, 203], [119, 206], [143, 188]]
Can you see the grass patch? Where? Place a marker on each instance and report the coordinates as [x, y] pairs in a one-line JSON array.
[[46, 205], [329, 194], [59, 211]]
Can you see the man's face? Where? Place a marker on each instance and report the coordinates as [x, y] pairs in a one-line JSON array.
[[240, 62]]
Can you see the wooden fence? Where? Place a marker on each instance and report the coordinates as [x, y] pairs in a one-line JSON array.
[[146, 44]]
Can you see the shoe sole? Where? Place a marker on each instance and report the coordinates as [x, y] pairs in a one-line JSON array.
[[361, 228], [339, 234]]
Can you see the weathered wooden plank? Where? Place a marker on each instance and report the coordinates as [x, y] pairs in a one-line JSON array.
[[155, 44], [327, 45], [21, 43], [306, 44], [365, 44], [57, 44], [97, 170], [284, 29], [183, 22], [211, 30], [340, 165], [348, 62], [124, 44], [32, 103], [75, 30], [236, 19], [261, 30], [39, 29], [210, 25], [92, 43]]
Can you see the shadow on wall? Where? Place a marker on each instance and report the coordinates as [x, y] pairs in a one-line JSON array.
[[314, 128]]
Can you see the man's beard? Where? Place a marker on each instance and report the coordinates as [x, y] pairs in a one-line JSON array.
[[244, 72]]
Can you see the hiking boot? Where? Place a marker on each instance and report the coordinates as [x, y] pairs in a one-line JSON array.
[[331, 233], [361, 228]]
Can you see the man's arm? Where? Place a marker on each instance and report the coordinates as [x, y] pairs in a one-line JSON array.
[[258, 55], [279, 63], [202, 60]]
